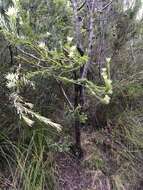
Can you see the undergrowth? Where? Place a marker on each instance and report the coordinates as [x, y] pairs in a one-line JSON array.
[[118, 141], [28, 157], [28, 164]]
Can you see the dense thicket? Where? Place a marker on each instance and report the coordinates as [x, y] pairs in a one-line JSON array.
[[70, 70]]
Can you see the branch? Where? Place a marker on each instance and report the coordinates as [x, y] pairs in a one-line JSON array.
[[65, 95], [37, 58], [105, 7], [82, 5], [30, 55]]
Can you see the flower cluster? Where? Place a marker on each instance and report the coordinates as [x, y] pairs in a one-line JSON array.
[[12, 79], [12, 12], [72, 51], [69, 39], [107, 80], [108, 83], [106, 99], [42, 45]]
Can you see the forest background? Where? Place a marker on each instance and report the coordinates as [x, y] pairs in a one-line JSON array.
[[71, 94]]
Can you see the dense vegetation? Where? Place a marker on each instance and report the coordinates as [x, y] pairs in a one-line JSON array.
[[71, 86]]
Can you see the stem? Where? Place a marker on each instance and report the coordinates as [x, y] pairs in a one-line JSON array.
[[11, 54], [77, 121], [78, 89]]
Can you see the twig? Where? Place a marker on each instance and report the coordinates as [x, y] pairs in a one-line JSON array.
[[30, 55], [105, 7], [65, 95], [37, 58], [82, 5]]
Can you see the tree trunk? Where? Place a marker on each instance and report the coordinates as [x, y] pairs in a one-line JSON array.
[[78, 101]]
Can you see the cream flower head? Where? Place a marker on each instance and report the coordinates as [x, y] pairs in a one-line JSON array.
[[72, 51], [106, 99], [12, 12], [42, 45], [69, 39], [108, 59]]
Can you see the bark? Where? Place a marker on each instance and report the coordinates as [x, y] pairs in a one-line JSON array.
[[78, 89], [11, 54], [91, 7]]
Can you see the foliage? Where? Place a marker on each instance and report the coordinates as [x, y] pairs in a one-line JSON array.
[[46, 47], [56, 61], [29, 163]]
